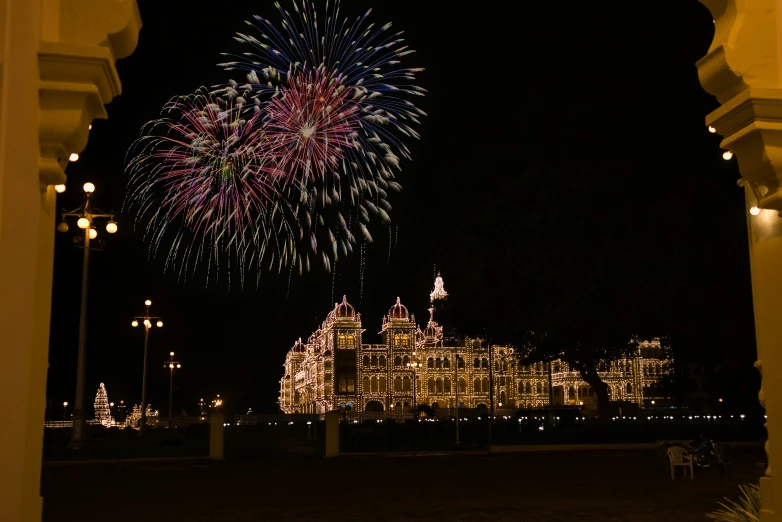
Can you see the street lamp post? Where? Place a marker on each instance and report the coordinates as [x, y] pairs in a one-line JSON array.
[[85, 215], [64, 410], [146, 320], [414, 365], [171, 365]]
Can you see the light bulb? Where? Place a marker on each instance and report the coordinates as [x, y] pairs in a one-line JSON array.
[[62, 226], [134, 324], [73, 157], [171, 366], [712, 129], [111, 227], [727, 155], [148, 302], [178, 365], [93, 233], [171, 354], [754, 211], [83, 222], [160, 324], [147, 323], [89, 188], [59, 188], [89, 127]]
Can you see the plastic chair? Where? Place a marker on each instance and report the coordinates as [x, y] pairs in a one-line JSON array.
[[680, 457]]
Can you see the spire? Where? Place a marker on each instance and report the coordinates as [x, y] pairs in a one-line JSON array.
[[439, 290]]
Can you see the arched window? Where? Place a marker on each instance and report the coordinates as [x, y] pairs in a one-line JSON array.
[[438, 363], [545, 388], [430, 363], [397, 384], [343, 384], [382, 361], [374, 384], [485, 363], [351, 385], [446, 363], [397, 361], [341, 341], [629, 388], [397, 340], [476, 363], [405, 361], [502, 397], [521, 387], [439, 385], [351, 340], [557, 367], [485, 384], [447, 385], [406, 384], [374, 360], [460, 363], [539, 388], [496, 366], [571, 393], [405, 340], [646, 370], [505, 366], [462, 385], [476, 385], [430, 385], [366, 360], [366, 384], [528, 388]]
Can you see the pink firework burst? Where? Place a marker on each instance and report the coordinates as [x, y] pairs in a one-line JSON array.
[[309, 126]]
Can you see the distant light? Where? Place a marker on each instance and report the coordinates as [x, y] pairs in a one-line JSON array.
[[89, 188], [160, 324], [89, 127], [721, 397], [171, 354], [93, 233], [754, 211], [65, 404], [727, 155], [59, 188], [73, 157], [148, 302], [712, 129], [134, 324]]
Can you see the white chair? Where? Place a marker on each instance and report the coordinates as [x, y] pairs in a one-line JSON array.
[[679, 457]]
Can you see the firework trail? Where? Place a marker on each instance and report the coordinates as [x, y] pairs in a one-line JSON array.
[[336, 108], [203, 184]]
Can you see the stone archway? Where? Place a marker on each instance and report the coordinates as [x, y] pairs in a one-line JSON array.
[[374, 407]]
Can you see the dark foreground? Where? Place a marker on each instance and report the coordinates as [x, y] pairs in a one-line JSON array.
[[560, 486]]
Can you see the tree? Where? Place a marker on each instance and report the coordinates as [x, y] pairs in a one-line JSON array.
[[102, 408], [586, 350]]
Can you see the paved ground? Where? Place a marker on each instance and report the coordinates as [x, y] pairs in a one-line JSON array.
[[624, 486]]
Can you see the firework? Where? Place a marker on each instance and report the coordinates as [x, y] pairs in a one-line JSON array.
[[203, 185], [335, 108]]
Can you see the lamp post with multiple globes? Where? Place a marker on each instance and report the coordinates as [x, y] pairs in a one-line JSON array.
[[85, 216], [171, 365], [146, 320], [414, 365]]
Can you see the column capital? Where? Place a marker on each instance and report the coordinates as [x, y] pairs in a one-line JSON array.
[[80, 43]]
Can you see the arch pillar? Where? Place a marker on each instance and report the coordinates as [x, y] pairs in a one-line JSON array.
[[742, 70], [57, 70]]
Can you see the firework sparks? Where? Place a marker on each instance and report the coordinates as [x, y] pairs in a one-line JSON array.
[[336, 107], [202, 183]]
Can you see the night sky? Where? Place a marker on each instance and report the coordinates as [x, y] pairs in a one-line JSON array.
[[564, 164]]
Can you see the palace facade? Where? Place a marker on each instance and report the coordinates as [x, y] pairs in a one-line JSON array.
[[334, 368]]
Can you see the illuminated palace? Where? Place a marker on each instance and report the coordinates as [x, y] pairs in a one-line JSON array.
[[334, 369]]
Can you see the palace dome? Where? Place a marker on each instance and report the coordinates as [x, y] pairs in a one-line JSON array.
[[398, 311], [344, 309], [430, 332]]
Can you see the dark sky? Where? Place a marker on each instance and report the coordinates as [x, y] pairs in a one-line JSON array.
[[564, 159]]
